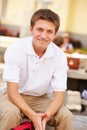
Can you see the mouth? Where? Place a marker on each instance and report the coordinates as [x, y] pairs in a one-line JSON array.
[[42, 40]]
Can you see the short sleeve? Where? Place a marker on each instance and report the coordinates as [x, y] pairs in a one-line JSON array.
[[12, 66], [59, 80]]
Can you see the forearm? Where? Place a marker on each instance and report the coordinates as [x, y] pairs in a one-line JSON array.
[[55, 104], [17, 99]]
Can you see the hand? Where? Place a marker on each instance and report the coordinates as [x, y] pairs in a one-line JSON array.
[[45, 118], [37, 121]]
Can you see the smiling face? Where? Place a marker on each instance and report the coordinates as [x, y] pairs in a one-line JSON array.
[[43, 33]]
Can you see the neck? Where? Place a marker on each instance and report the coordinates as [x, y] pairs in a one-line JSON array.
[[39, 50]]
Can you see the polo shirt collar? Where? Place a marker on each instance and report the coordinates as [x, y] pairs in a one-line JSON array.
[[49, 51]]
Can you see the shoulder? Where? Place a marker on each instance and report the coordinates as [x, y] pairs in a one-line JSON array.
[[60, 57], [17, 50], [20, 44], [57, 51]]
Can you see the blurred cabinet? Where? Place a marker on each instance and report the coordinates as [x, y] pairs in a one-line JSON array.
[[77, 77]]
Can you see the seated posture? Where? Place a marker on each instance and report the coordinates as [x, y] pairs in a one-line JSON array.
[[66, 46], [35, 73]]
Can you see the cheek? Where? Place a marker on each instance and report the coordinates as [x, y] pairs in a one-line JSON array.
[[36, 33], [52, 37]]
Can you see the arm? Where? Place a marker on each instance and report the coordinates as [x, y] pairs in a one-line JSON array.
[[53, 107], [59, 84], [16, 98], [55, 104]]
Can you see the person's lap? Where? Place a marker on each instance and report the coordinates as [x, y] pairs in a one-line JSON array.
[[38, 104]]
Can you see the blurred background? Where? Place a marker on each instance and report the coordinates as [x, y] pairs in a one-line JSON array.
[[15, 16], [14, 23]]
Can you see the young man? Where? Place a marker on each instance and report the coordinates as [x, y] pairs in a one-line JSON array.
[[35, 74]]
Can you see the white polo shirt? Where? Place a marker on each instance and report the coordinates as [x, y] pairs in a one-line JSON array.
[[36, 76]]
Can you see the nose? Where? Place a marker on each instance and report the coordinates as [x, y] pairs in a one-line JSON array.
[[44, 34]]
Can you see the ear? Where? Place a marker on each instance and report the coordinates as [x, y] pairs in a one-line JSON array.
[[30, 28], [55, 34]]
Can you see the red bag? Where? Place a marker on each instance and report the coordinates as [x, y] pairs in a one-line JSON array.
[[24, 126]]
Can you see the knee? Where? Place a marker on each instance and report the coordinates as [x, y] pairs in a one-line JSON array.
[[10, 113], [67, 112], [68, 116], [65, 116], [9, 118]]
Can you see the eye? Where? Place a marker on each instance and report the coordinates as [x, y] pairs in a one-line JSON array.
[[49, 31], [39, 29]]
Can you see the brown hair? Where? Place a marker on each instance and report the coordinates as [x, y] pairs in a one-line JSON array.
[[46, 14]]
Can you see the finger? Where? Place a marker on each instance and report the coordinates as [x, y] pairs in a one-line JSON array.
[[44, 116], [43, 124]]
